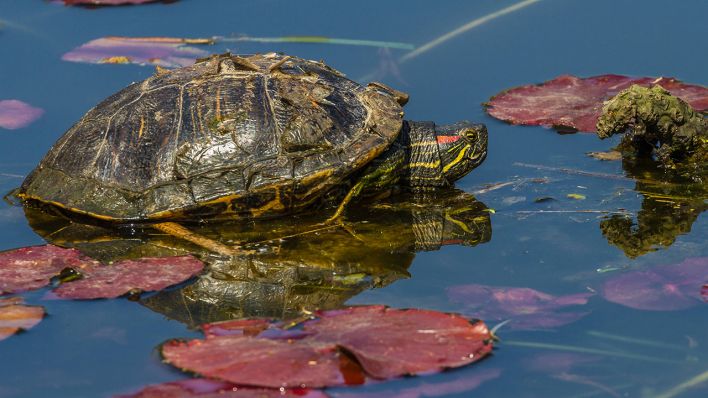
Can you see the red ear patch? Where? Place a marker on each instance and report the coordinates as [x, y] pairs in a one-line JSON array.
[[447, 139]]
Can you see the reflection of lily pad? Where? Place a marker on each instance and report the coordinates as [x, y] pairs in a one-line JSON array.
[[15, 316], [16, 114], [527, 308], [576, 103], [663, 288], [385, 342], [204, 388], [168, 52]]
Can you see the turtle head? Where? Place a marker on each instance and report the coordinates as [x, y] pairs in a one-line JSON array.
[[462, 146]]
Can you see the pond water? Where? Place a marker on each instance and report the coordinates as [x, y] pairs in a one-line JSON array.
[[598, 348]]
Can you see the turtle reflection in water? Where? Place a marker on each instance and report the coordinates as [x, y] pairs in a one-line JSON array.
[[306, 271]]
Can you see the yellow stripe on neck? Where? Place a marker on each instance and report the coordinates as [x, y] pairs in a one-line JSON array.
[[458, 159], [427, 165]]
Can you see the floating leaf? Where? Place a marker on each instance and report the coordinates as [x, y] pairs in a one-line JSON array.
[[145, 274], [576, 103], [576, 196], [32, 267], [663, 288], [205, 388], [169, 52], [385, 342], [704, 292], [465, 383], [608, 155], [527, 308], [107, 2], [15, 316], [15, 114]]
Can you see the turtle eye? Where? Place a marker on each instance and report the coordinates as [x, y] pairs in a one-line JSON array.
[[474, 133]]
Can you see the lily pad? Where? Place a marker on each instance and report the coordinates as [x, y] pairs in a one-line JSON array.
[[32, 267], [15, 316], [528, 309], [662, 288], [145, 274], [15, 114], [575, 103], [205, 388], [168, 52], [385, 342]]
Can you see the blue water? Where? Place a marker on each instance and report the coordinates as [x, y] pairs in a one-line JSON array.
[[102, 348]]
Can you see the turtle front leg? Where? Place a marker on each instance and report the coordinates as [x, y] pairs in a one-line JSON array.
[[382, 174], [212, 245], [353, 192]]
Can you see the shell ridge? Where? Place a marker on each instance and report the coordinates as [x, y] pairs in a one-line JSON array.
[[271, 109]]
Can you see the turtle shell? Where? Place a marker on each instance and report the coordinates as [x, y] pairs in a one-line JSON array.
[[249, 136]]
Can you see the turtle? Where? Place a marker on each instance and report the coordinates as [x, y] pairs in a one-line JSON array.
[[245, 136]]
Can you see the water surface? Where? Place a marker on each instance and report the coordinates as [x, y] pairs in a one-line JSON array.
[[106, 347]]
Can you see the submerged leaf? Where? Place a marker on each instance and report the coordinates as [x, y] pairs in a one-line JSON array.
[[611, 155], [527, 308], [576, 196], [32, 267], [663, 288], [169, 52], [107, 2], [576, 103], [385, 342], [465, 383], [15, 316], [144, 274], [15, 114], [205, 388]]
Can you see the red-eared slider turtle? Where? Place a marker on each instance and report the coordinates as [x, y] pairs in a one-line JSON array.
[[252, 137]]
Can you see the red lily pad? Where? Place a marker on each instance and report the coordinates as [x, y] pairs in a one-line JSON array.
[[205, 388], [385, 342], [32, 267], [528, 309], [704, 292], [145, 274], [168, 52], [15, 316], [15, 114], [663, 288], [576, 103]]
